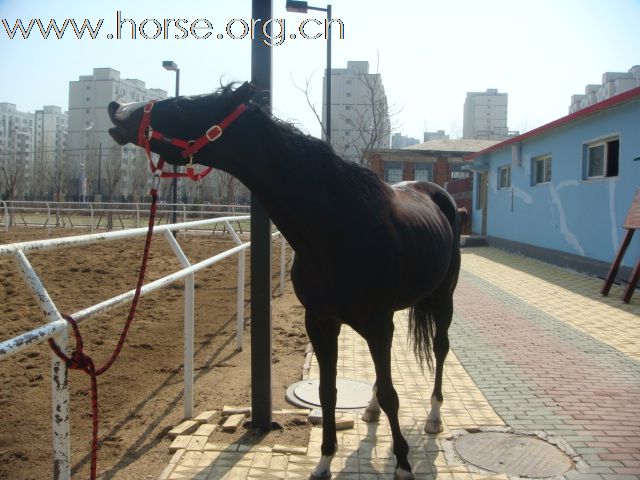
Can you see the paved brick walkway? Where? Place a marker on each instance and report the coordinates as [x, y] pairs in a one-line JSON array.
[[533, 348], [550, 354]]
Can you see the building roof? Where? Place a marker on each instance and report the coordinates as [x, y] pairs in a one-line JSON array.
[[573, 117], [462, 145]]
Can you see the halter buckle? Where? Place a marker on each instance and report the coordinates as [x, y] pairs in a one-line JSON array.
[[213, 133]]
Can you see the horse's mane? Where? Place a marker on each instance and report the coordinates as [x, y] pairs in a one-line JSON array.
[[316, 153]]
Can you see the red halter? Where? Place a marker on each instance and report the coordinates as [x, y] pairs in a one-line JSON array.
[[189, 147]]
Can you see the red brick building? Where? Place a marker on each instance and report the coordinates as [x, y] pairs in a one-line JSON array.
[[438, 161]]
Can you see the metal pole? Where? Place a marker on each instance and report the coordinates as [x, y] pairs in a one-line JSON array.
[[99, 168], [328, 123], [261, 353], [189, 324], [174, 183]]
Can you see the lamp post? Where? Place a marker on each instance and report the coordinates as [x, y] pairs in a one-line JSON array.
[[172, 66], [304, 7]]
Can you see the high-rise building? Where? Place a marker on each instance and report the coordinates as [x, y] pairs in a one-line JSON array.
[[613, 83], [49, 151], [437, 135], [359, 111], [485, 115], [401, 141], [98, 164], [16, 151]]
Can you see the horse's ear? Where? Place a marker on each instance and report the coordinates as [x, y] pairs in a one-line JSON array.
[[244, 92]]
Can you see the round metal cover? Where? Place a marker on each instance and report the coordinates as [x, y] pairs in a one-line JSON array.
[[521, 455], [351, 393]]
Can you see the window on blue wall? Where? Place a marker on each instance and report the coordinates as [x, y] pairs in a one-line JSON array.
[[424, 172], [392, 172], [603, 159], [541, 169], [504, 177]]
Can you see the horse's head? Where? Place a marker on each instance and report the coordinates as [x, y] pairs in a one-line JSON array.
[[176, 122]]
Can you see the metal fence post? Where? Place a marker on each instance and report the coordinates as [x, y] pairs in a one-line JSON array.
[[91, 208], [6, 216], [240, 304], [189, 321], [59, 376]]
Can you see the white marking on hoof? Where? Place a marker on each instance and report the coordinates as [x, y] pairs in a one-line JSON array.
[[372, 412], [433, 426], [434, 422], [323, 470], [402, 474], [371, 416]]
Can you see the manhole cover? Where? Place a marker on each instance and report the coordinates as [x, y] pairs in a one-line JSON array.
[[351, 393], [522, 455]]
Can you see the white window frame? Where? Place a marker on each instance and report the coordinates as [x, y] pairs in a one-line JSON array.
[[542, 158], [605, 158], [507, 184]]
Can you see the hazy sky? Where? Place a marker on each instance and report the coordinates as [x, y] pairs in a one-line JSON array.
[[430, 53]]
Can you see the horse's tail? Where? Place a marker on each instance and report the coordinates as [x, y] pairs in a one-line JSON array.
[[423, 316], [422, 324]]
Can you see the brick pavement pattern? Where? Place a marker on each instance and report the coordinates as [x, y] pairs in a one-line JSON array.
[[550, 354]]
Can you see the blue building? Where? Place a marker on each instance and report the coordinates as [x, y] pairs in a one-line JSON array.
[[561, 192]]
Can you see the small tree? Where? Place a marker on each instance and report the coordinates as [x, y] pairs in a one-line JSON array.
[[369, 119], [54, 173]]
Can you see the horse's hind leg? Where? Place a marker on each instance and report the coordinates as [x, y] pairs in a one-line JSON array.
[[324, 338], [442, 313], [379, 342], [372, 412]]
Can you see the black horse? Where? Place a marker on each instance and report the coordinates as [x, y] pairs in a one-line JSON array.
[[364, 249]]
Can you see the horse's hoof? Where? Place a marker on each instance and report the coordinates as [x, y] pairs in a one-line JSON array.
[[371, 416], [402, 474], [433, 426], [321, 476]]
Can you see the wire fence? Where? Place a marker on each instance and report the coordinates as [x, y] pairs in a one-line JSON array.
[[95, 216]]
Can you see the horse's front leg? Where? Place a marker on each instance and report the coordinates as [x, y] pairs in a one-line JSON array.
[[324, 338]]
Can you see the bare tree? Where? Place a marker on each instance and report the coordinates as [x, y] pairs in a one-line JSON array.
[[54, 173], [13, 173], [113, 172], [306, 90], [139, 176], [228, 187], [370, 118]]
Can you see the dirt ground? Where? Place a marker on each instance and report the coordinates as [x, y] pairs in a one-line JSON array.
[[140, 397]]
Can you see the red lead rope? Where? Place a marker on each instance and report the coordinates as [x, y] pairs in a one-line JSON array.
[[78, 360]]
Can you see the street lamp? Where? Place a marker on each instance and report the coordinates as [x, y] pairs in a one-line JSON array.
[[303, 7], [172, 66]]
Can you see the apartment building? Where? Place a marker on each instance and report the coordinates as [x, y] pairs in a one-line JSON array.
[[485, 115], [359, 111], [401, 141], [49, 152], [613, 83], [16, 151], [97, 163]]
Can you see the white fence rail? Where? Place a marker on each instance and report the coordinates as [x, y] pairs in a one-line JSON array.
[[105, 215], [57, 328]]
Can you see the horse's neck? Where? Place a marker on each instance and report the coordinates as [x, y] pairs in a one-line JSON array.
[[296, 193]]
